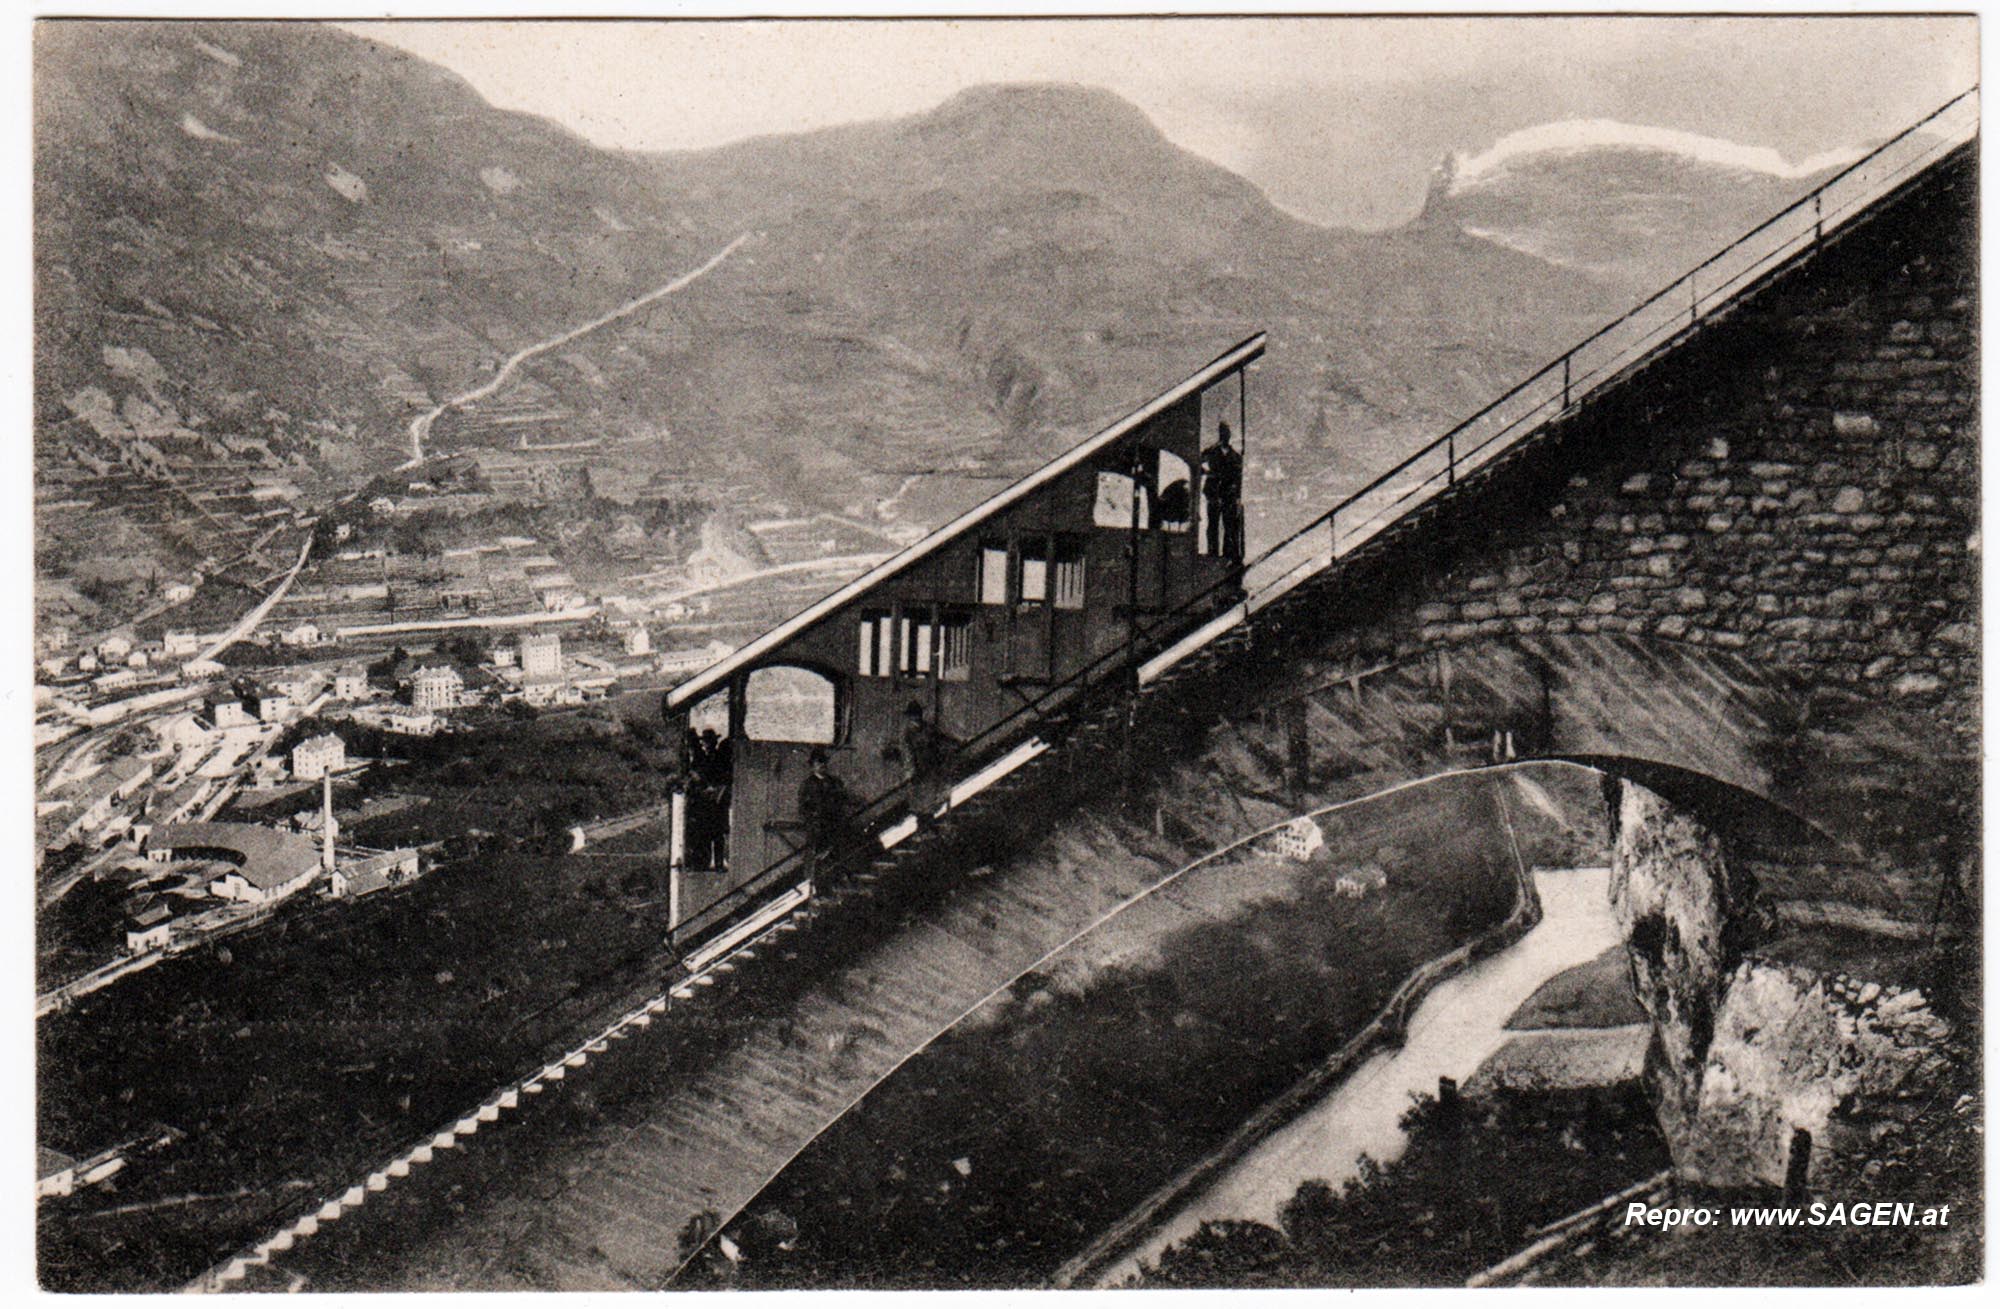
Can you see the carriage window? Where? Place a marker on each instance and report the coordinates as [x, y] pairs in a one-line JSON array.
[[993, 573], [877, 638], [1034, 572], [1069, 572], [790, 704], [919, 639], [955, 647], [1114, 502], [1176, 493]]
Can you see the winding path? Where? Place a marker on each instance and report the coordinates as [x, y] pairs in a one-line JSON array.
[[248, 623], [420, 426]]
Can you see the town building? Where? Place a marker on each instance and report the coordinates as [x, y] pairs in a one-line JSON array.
[[181, 643], [541, 655], [114, 649], [150, 928], [268, 864], [376, 871], [350, 684], [175, 593], [692, 659], [410, 722], [544, 691], [316, 756], [299, 688], [1298, 839], [228, 713], [436, 688], [637, 640], [273, 707], [303, 634], [96, 797], [181, 731], [1358, 882]]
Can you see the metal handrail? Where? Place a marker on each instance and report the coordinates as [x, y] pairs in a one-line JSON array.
[[1571, 393], [1572, 390]]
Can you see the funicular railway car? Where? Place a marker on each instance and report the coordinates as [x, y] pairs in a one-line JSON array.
[[906, 680]]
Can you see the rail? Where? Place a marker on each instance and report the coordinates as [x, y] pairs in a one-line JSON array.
[[1556, 390]]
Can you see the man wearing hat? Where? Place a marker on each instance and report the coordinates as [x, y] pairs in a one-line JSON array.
[[823, 808]]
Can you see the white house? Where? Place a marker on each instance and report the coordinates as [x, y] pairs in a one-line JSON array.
[[436, 687], [273, 707], [303, 634], [229, 713], [316, 756], [180, 732], [693, 658], [1358, 882], [181, 643], [149, 929], [114, 649], [177, 592], [541, 655], [542, 691], [373, 872], [637, 641], [410, 722], [350, 684]]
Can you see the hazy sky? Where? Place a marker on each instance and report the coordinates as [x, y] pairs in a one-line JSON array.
[[1340, 120]]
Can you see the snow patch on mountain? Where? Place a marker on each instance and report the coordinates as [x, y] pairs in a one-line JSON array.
[[201, 131], [225, 57], [1577, 135], [348, 184]]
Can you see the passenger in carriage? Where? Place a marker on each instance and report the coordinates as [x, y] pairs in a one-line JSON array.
[[925, 751], [824, 806], [696, 820], [1222, 494], [715, 775]]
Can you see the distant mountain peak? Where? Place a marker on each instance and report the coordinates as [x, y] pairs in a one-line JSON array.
[[1581, 135], [1043, 111]]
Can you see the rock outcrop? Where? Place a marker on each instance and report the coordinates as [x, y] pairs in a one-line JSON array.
[[1749, 1051]]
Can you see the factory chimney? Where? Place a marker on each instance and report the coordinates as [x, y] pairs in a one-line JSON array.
[[326, 824]]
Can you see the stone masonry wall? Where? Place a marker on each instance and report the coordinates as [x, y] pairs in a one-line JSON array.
[[1800, 483]]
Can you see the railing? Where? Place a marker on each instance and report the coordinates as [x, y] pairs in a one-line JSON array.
[[1654, 325]]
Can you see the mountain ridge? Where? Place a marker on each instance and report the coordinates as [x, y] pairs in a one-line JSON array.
[[323, 239]]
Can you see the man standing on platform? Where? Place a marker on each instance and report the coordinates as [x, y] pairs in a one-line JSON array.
[[1222, 495]]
